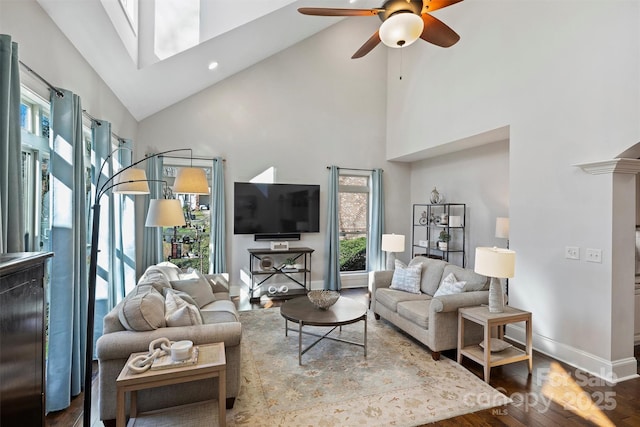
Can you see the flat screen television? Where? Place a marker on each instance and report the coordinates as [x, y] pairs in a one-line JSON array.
[[275, 208]]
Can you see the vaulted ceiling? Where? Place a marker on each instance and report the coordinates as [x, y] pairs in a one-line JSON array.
[[163, 56]]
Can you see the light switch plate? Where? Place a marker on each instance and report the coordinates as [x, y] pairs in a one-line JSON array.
[[572, 252]]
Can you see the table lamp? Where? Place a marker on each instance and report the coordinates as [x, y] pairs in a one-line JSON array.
[[392, 243], [496, 263]]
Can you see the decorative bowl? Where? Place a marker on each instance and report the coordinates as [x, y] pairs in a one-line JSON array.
[[323, 299]]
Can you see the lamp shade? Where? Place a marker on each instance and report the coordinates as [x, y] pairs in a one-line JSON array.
[[401, 29], [502, 228], [131, 181], [495, 262], [164, 213], [393, 242], [191, 181]]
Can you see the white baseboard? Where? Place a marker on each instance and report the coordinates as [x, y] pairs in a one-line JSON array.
[[612, 371]]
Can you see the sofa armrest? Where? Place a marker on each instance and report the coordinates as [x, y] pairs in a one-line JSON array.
[[119, 345], [380, 279], [447, 303]]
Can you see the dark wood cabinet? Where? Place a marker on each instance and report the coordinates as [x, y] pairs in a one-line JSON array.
[[22, 338]]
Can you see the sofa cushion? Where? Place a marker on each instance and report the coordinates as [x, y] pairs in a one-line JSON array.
[[432, 270], [220, 311], [475, 281], [406, 278], [143, 311], [218, 283], [390, 297], [450, 285], [199, 290], [180, 313], [415, 311]]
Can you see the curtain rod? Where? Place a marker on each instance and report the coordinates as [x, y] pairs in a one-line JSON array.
[[53, 88], [355, 169], [194, 158], [60, 94], [99, 123]]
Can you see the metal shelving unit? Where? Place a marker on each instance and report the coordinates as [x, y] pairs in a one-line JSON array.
[[431, 219]]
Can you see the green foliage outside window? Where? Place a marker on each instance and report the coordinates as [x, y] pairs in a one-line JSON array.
[[353, 254]]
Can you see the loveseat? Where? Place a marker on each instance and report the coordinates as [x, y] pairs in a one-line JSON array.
[[423, 297], [169, 303]]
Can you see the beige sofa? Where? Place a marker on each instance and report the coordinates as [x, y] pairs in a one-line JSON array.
[[432, 320], [202, 312]]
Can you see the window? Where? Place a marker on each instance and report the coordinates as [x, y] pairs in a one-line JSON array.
[[188, 246], [354, 222]]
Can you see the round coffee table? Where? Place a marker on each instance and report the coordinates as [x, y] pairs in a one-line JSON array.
[[345, 311]]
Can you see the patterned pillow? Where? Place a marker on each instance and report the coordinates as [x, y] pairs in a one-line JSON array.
[[406, 278], [450, 285]]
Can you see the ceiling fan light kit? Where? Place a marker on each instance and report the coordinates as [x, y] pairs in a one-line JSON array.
[[403, 22], [401, 30]]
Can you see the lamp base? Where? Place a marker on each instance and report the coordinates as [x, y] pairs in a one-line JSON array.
[[496, 296], [391, 261]]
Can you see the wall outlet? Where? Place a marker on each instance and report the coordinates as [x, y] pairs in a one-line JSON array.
[[594, 255], [572, 252]]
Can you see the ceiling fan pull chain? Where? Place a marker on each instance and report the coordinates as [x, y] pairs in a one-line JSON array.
[[401, 63]]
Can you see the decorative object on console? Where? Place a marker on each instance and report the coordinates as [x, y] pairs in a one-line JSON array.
[[323, 299], [392, 243], [435, 196], [266, 263], [497, 264], [502, 229], [280, 246]]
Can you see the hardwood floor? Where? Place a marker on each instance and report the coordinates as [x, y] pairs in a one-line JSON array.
[[542, 399]]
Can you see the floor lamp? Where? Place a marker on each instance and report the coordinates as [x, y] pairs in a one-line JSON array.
[[133, 181]]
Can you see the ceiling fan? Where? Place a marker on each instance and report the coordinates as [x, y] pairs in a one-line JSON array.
[[403, 22]]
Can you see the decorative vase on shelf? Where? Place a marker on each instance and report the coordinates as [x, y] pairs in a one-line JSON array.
[[435, 196]]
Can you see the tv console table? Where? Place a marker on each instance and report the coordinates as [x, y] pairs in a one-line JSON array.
[[266, 263]]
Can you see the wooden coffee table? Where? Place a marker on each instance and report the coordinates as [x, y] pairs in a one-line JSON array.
[[345, 311], [211, 364]]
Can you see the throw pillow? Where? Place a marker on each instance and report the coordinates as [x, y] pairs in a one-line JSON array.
[[406, 278], [143, 311], [185, 296], [199, 290], [497, 345], [180, 313], [450, 285]]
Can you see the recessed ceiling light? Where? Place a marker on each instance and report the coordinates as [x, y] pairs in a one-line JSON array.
[[213, 65]]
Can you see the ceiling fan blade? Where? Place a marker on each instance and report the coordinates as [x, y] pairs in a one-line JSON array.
[[373, 41], [322, 11], [437, 32], [431, 5]]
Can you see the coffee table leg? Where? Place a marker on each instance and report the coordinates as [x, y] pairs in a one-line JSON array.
[[365, 335], [286, 328], [300, 342]]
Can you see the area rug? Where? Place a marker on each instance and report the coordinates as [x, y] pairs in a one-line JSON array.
[[398, 383]]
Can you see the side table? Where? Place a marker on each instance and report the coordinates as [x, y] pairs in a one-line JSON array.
[[488, 321], [211, 364]]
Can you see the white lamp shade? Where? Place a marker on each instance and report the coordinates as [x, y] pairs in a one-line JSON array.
[[393, 242], [502, 228], [401, 29], [495, 262], [191, 181], [165, 213], [131, 181]]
